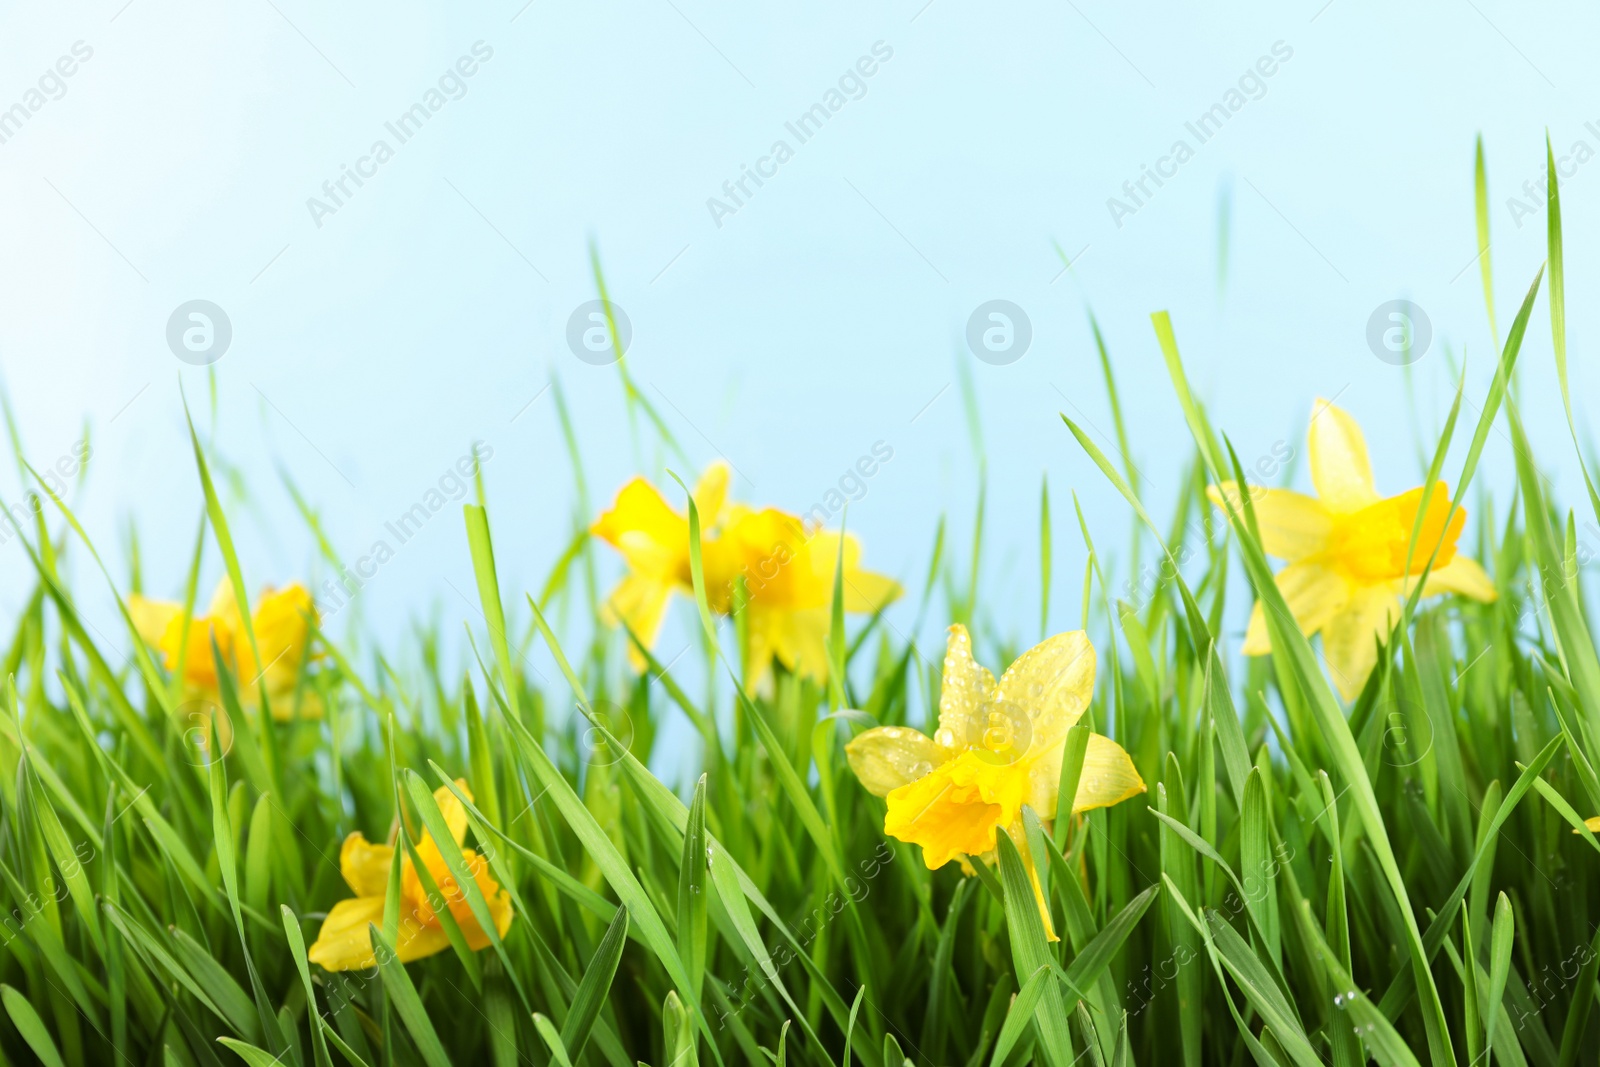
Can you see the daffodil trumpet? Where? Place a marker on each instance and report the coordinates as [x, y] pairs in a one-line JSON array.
[[1351, 553], [997, 748]]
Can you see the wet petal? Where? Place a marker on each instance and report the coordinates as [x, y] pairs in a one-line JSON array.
[[957, 808], [1108, 777], [1292, 524], [1349, 640], [963, 690], [888, 757], [1053, 683], [922, 813], [1339, 466]]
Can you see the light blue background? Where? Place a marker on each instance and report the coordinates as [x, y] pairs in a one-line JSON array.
[[823, 317]]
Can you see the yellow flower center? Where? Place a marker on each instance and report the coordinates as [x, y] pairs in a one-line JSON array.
[[1373, 544], [956, 809]]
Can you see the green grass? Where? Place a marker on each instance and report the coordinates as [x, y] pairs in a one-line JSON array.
[[1396, 881]]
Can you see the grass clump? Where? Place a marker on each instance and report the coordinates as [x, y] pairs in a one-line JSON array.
[[1389, 863]]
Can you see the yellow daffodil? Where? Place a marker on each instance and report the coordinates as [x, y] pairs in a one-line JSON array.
[[282, 620], [345, 943], [998, 747], [1348, 550], [654, 540], [788, 576]]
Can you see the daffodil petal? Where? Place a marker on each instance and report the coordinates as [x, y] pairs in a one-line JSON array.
[[1592, 825], [1349, 640], [223, 604], [798, 639], [365, 866], [640, 600], [1292, 524], [1257, 641], [1340, 468], [1462, 576], [1314, 593], [1053, 683], [454, 812], [152, 617], [888, 757], [806, 642], [643, 527], [1108, 777], [282, 622], [288, 701], [499, 903], [963, 690], [418, 940], [344, 943], [866, 592], [923, 813], [711, 493]]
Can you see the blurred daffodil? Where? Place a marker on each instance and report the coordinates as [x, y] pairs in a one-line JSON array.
[[1350, 552], [345, 942], [998, 747], [788, 579], [654, 540], [282, 620]]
